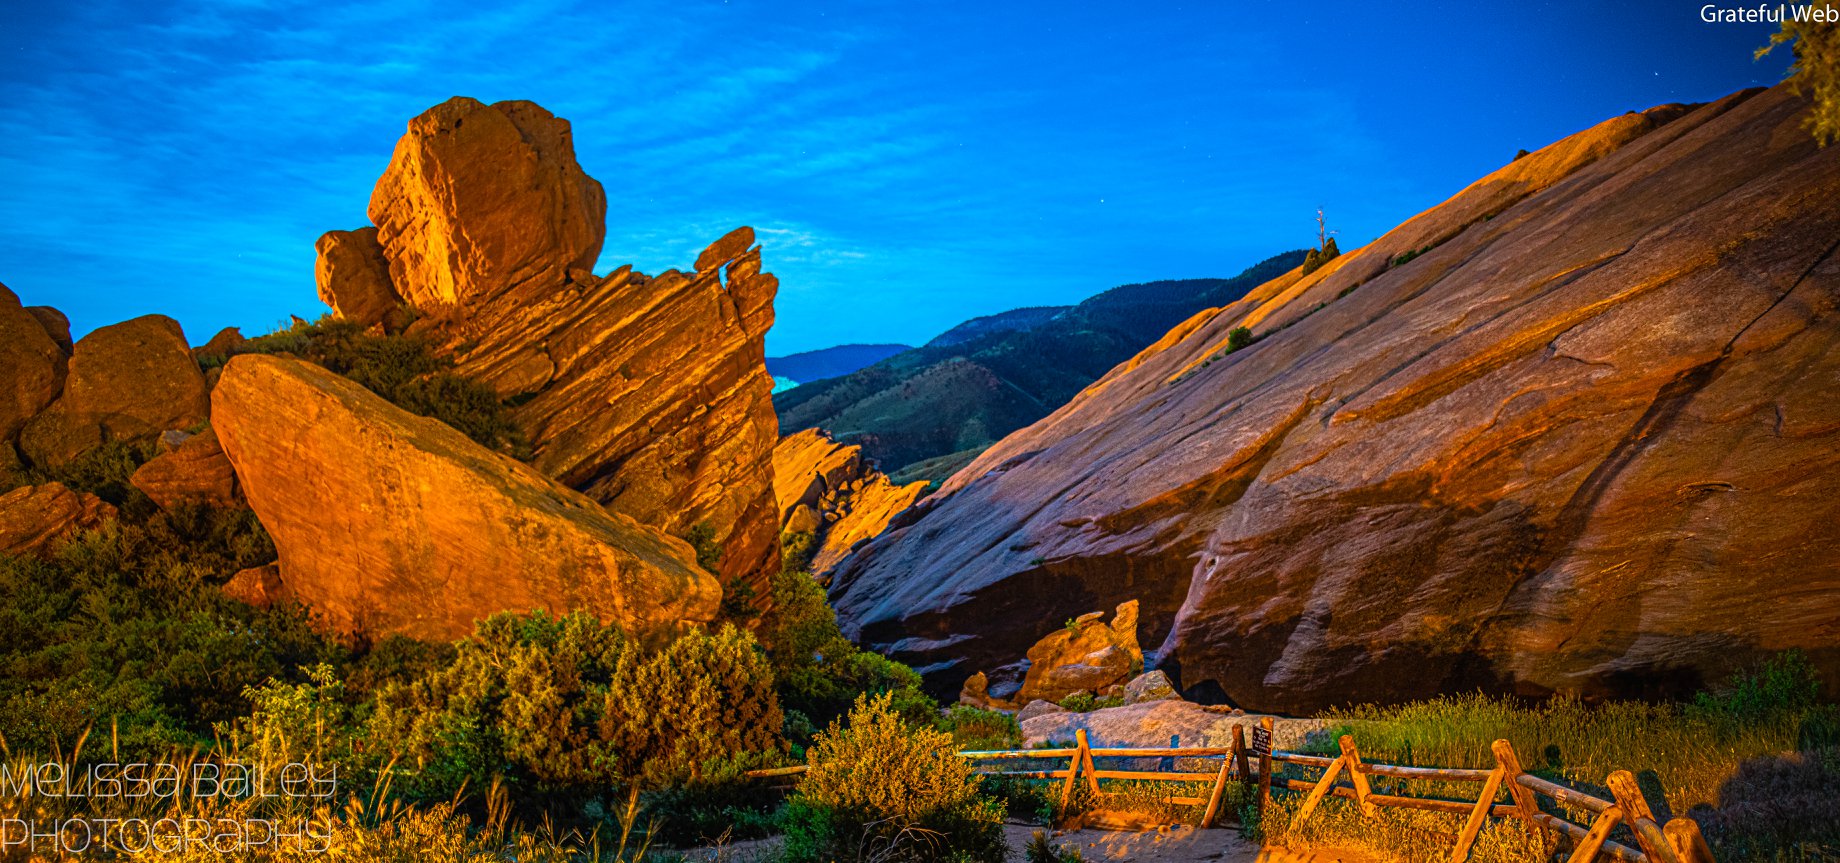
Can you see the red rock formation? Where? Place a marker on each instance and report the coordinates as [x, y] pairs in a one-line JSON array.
[[126, 380], [650, 394], [1584, 441], [34, 517], [260, 586], [354, 278], [196, 470], [387, 522], [484, 199], [830, 491], [31, 365]]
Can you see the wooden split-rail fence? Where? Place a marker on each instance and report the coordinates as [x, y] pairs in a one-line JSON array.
[[1347, 776]]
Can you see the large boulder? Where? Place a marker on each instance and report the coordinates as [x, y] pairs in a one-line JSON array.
[[354, 278], [1583, 441], [31, 365], [833, 492], [34, 518], [386, 522], [127, 380], [195, 470], [484, 199]]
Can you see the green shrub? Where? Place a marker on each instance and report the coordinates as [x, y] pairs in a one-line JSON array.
[[1314, 259], [1407, 256], [882, 789], [974, 728], [567, 703], [819, 672], [1040, 850], [1237, 338], [1086, 702]]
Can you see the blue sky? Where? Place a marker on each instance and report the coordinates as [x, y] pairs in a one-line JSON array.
[[907, 165]]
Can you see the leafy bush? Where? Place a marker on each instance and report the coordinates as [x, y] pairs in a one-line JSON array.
[[974, 728], [819, 672], [1314, 259], [1040, 850], [882, 789], [568, 703], [1238, 338], [1407, 256], [404, 370], [1086, 702]]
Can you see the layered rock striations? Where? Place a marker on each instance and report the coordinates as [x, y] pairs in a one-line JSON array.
[[390, 523], [832, 492], [647, 393], [1570, 431]]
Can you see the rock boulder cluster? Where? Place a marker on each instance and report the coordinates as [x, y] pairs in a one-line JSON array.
[[1571, 431], [645, 400]]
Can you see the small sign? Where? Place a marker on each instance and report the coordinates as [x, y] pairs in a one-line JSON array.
[[1261, 740]]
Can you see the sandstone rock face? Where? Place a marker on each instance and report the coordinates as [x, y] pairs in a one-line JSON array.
[[649, 394], [34, 517], [1036, 708], [1085, 656], [195, 470], [31, 365], [354, 278], [125, 380], [387, 522], [1584, 442], [484, 199], [56, 325], [1156, 723], [831, 491]]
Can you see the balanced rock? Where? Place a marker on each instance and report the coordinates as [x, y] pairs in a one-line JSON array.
[[34, 517], [832, 491], [127, 380], [56, 324], [480, 200], [194, 470], [386, 522], [1085, 655], [354, 278], [1583, 441], [31, 364]]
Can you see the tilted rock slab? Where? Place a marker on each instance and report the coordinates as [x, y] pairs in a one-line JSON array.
[[649, 394], [833, 492], [1585, 442], [195, 471], [387, 522]]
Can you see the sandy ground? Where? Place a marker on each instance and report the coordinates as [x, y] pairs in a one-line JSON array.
[[1173, 845]]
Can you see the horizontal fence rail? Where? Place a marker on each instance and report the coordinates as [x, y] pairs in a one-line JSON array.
[[1346, 776]]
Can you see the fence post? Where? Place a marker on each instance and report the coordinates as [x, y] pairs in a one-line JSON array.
[[1510, 766], [1689, 845], [1265, 770], [1641, 819], [1587, 849], [1477, 816], [1355, 776], [1239, 753], [1086, 763], [1220, 789], [1322, 788], [1073, 772]]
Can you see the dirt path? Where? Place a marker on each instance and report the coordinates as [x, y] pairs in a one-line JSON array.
[[1174, 845]]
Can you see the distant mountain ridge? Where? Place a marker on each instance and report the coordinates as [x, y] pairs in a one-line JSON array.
[[1014, 320], [925, 412], [807, 366]]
